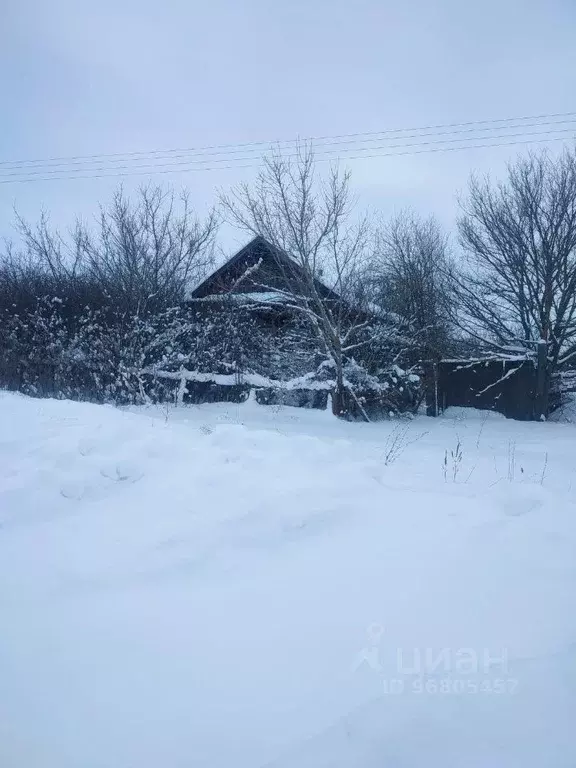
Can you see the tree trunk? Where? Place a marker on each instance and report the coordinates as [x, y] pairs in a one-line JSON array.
[[542, 382], [340, 405], [340, 395]]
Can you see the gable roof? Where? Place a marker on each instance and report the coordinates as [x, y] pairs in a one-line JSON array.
[[258, 249]]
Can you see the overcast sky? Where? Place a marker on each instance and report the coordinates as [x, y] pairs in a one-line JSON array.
[[114, 76]]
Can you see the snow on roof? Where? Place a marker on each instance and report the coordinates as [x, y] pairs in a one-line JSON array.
[[258, 297]]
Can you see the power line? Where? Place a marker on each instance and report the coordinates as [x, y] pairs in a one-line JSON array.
[[252, 165], [273, 143], [162, 165], [37, 169]]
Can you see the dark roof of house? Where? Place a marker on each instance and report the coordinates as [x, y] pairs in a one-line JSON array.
[[249, 255]]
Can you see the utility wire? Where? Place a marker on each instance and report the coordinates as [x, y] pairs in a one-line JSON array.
[[316, 146], [252, 165], [341, 152], [275, 143]]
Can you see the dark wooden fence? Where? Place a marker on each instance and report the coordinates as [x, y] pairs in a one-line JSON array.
[[512, 387]]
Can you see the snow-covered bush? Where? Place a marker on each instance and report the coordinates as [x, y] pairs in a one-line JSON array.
[[51, 350], [104, 356], [93, 356], [387, 392]]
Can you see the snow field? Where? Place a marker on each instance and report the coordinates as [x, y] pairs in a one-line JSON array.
[[234, 585]]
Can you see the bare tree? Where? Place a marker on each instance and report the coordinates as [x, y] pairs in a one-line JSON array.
[[146, 255], [59, 258], [141, 256], [410, 276], [47, 264], [518, 286], [309, 220]]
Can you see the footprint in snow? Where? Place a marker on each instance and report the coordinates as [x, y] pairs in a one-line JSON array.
[[72, 490], [86, 446], [122, 471]]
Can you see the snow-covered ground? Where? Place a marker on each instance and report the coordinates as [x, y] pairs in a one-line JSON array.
[[248, 586]]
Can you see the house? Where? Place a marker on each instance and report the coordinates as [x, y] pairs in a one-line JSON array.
[[262, 323], [274, 287], [259, 272], [250, 303], [260, 289]]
